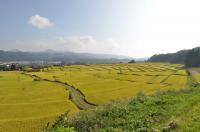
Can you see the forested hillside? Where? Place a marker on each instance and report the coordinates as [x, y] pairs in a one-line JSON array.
[[191, 58], [178, 57]]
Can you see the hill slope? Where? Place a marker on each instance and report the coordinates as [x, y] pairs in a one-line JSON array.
[[178, 57], [188, 57]]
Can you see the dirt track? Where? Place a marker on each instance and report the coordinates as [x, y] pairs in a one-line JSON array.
[[75, 95]]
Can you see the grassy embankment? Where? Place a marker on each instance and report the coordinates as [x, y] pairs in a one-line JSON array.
[[164, 111]]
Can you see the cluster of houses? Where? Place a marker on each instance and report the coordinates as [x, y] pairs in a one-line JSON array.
[[32, 66], [26, 66]]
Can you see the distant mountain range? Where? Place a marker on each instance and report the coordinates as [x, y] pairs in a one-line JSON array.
[[67, 57]]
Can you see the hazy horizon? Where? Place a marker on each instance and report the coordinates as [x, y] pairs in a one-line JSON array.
[[135, 28], [62, 51]]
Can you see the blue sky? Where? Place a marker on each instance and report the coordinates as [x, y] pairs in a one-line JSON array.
[[136, 28]]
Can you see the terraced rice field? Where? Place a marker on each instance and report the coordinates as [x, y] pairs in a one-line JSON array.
[[106, 82], [30, 101], [28, 105]]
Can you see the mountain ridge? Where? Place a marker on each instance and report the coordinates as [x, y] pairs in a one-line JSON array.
[[68, 57]]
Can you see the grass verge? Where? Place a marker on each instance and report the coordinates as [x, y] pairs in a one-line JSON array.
[[163, 111]]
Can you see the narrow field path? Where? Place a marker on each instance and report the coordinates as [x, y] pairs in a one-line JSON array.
[[75, 95], [193, 72]]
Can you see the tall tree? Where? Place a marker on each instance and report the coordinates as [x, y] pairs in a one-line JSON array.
[[193, 58]]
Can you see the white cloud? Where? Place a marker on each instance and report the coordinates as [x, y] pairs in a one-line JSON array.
[[40, 22], [88, 44], [81, 44]]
